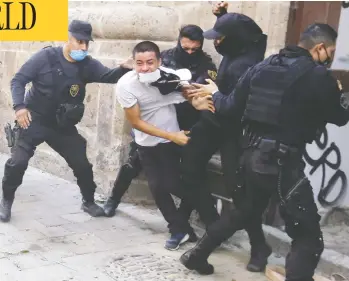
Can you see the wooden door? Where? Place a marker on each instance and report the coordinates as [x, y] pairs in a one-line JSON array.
[[304, 13]]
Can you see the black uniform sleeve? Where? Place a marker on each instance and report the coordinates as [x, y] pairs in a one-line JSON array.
[[26, 74], [99, 73], [235, 102], [208, 71], [335, 102]]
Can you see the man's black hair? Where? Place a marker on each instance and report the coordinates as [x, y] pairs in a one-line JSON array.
[[318, 33], [192, 32], [146, 46]]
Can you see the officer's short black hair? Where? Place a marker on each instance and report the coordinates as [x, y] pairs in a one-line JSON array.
[[192, 32], [146, 46], [318, 33]]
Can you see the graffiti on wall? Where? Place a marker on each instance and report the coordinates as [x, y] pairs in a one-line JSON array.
[[335, 184]]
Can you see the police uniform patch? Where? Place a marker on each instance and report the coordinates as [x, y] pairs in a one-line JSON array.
[[74, 90], [212, 74]]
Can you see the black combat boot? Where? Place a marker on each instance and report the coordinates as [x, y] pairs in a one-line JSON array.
[[110, 206], [259, 258], [196, 258], [92, 209], [5, 209]]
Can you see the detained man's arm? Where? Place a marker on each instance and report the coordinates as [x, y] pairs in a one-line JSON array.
[[133, 116]]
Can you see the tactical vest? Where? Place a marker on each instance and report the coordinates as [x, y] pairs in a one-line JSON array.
[[68, 92], [58, 73], [269, 84]]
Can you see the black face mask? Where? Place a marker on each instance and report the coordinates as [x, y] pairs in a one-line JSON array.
[[186, 58], [165, 84], [327, 61], [229, 47]]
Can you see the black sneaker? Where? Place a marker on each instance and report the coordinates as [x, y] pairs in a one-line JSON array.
[[92, 209], [176, 240]]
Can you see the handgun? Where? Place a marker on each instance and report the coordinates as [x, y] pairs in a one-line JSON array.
[[9, 135]]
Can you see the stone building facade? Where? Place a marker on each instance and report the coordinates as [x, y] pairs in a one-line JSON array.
[[117, 27]]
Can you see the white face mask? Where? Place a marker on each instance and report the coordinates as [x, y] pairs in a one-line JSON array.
[[149, 77]]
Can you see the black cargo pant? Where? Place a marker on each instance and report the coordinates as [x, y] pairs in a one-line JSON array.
[[68, 143], [161, 164], [130, 170], [261, 175], [205, 140], [127, 173]]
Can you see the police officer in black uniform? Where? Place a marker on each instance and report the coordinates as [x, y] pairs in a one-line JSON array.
[[187, 54], [284, 102], [51, 108], [242, 44]]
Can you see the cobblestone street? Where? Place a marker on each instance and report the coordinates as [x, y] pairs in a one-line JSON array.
[[50, 238]]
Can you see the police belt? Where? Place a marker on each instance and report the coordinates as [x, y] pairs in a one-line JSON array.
[[269, 144]]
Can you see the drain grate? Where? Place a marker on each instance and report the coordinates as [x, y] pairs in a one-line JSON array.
[[147, 267]]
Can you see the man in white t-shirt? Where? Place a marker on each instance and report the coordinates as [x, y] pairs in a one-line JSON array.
[[149, 107]]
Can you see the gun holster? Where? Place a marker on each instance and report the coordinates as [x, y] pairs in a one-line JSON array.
[[68, 115], [11, 134]]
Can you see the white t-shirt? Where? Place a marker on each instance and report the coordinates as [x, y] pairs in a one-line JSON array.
[[156, 109]]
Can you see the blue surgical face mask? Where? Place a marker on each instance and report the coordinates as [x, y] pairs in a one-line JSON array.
[[78, 55]]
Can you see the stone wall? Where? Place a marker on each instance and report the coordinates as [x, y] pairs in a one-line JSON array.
[[117, 27]]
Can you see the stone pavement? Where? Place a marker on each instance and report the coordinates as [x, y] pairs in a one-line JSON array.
[[49, 238]]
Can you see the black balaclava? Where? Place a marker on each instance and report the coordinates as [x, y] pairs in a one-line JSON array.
[[230, 47], [240, 32], [184, 57]]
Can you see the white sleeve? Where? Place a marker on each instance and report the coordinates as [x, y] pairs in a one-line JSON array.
[[124, 97], [175, 97]]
